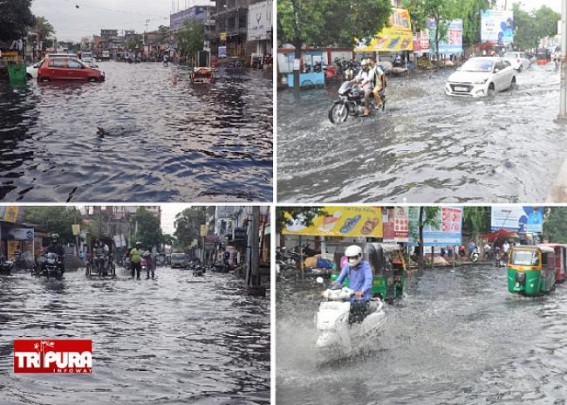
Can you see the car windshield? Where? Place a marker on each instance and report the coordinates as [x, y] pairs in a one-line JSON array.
[[478, 65], [178, 257]]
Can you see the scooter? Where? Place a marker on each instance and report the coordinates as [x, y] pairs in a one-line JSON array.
[[474, 256], [334, 331]]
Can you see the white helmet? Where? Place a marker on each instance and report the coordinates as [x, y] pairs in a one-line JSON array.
[[353, 254]]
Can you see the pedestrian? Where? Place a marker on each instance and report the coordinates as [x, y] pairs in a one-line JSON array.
[[136, 260]]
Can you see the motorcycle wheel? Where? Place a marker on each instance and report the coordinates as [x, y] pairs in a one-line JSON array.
[[338, 113]]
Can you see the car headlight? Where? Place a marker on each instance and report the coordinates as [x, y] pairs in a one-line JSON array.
[[481, 81]]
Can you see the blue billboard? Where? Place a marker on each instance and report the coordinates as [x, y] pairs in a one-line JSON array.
[[517, 218]]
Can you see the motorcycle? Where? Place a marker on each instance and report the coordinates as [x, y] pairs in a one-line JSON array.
[[6, 266], [350, 102], [198, 271], [335, 332], [474, 255], [52, 266]]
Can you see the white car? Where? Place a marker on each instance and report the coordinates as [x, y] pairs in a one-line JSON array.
[[519, 60], [480, 77], [31, 71]]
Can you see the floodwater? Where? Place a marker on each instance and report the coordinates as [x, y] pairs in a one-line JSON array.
[[176, 339], [426, 146], [458, 337], [146, 134]]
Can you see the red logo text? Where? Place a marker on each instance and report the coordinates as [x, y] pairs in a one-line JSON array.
[[61, 356]]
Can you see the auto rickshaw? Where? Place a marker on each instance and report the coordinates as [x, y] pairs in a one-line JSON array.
[[560, 260], [202, 72], [100, 260], [531, 270], [388, 269]]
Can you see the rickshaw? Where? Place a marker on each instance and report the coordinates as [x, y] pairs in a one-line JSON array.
[[100, 260], [560, 260], [388, 269], [202, 72], [531, 270]]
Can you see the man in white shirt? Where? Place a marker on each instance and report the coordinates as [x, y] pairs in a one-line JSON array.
[[366, 80]]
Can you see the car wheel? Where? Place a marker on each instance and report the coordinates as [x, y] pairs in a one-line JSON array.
[[28, 76], [520, 68], [513, 83], [43, 79], [491, 90]]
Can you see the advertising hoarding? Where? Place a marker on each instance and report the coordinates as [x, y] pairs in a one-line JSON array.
[[341, 221], [497, 26], [517, 218], [398, 36], [259, 21]]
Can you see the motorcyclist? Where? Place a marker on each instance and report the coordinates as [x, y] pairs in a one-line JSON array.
[[136, 260], [360, 275], [57, 248], [365, 78]]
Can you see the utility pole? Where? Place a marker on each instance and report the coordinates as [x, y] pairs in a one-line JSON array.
[[563, 65]]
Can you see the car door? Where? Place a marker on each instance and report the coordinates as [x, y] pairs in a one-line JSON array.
[[57, 68], [508, 73], [75, 70]]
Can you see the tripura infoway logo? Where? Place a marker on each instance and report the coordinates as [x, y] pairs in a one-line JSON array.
[[60, 356]]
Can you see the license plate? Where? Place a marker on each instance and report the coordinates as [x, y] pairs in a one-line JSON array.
[[461, 88]]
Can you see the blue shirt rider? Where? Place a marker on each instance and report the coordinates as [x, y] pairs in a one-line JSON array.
[[360, 276]]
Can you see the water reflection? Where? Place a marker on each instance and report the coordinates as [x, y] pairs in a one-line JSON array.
[[170, 340], [146, 134]]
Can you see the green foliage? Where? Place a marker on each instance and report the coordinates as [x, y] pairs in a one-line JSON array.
[[55, 219], [555, 225], [288, 215], [42, 28], [476, 220], [533, 25], [469, 11], [134, 43], [148, 228], [330, 22], [188, 226], [190, 38], [15, 17]]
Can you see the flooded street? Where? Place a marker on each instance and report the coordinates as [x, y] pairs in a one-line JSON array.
[[426, 146], [144, 135], [176, 339], [458, 337]]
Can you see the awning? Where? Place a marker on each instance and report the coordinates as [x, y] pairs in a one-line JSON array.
[[499, 235]]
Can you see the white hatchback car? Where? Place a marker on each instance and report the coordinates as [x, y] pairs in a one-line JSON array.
[[480, 77], [519, 60]]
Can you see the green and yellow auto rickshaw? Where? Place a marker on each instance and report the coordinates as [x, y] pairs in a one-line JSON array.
[[388, 269], [531, 270]]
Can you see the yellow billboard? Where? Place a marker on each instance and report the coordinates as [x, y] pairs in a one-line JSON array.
[[341, 221], [11, 214], [396, 37]]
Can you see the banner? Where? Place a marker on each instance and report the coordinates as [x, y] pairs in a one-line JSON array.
[[21, 234], [259, 21], [341, 221], [454, 42], [449, 232], [222, 51], [12, 213], [517, 218], [388, 224], [398, 36], [497, 26]]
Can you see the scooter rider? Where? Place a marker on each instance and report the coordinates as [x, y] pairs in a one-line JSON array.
[[366, 80], [360, 275], [57, 248]]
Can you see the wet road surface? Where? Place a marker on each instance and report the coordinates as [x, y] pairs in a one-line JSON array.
[[458, 337], [426, 146], [176, 339], [146, 134]]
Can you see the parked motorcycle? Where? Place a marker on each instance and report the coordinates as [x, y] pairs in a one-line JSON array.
[[335, 332], [474, 256], [52, 266], [6, 266], [350, 102]]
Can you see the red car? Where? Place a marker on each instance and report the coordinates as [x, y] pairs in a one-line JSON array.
[[68, 69]]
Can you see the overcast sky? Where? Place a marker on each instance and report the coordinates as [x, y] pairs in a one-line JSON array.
[[72, 23], [168, 213]]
